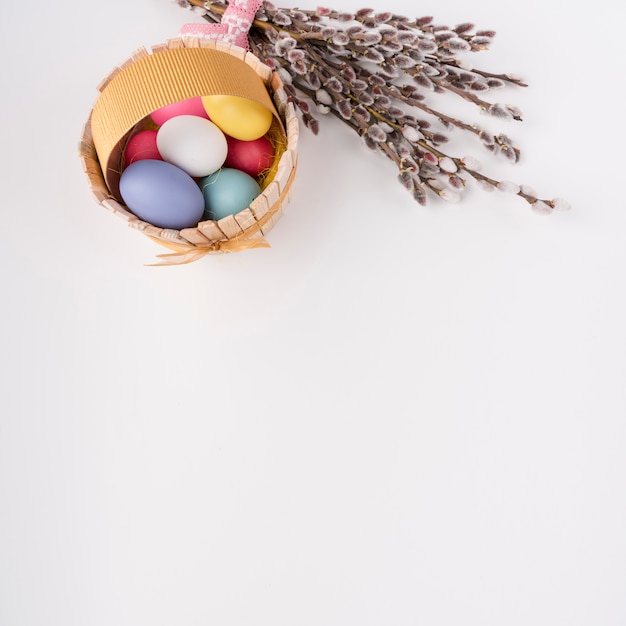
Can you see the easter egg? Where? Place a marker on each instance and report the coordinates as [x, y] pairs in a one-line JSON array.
[[227, 192], [238, 117], [193, 143], [162, 194], [141, 145], [192, 106], [251, 157]]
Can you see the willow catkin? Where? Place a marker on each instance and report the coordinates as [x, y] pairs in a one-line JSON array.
[[384, 76]]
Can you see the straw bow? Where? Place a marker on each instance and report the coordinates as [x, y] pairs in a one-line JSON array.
[[234, 26], [183, 254]]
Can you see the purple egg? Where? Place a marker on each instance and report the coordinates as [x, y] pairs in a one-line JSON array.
[[162, 194]]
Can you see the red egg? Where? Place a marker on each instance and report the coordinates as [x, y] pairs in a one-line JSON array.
[[251, 157], [141, 146]]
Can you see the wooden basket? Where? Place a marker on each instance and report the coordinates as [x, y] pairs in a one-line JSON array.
[[174, 71]]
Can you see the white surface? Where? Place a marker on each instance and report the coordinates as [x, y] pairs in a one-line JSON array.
[[396, 415]]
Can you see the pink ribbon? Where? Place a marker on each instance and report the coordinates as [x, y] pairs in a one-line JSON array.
[[234, 27]]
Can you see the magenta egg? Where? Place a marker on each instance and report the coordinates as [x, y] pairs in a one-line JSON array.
[[192, 106]]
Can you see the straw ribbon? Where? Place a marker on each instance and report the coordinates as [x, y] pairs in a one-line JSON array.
[[234, 27], [188, 254]]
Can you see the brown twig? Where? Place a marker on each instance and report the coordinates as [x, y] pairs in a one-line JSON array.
[[372, 71]]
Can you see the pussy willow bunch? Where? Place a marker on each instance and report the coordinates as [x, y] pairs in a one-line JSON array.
[[375, 71]]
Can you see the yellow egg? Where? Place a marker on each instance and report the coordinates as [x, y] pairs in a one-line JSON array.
[[238, 117]]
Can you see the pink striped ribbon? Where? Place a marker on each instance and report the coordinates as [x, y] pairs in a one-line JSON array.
[[236, 23]]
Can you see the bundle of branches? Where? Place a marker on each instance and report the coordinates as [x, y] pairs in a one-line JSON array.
[[374, 71]]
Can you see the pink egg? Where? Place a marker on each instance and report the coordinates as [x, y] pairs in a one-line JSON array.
[[193, 106], [251, 157], [141, 145]]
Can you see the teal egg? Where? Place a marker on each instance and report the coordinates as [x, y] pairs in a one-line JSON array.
[[227, 192]]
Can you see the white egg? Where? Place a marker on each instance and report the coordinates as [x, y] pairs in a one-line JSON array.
[[192, 143]]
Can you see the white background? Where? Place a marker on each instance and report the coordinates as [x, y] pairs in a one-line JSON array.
[[395, 416]]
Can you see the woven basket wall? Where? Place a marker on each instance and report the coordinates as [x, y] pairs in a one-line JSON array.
[[171, 72]]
